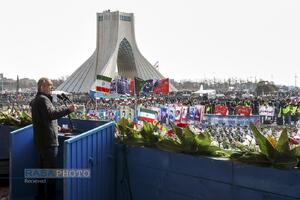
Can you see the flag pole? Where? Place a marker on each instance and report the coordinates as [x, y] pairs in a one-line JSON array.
[[134, 88]]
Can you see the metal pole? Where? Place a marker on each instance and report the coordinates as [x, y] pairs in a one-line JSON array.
[[2, 78]]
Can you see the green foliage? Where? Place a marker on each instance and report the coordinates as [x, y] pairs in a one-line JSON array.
[[169, 145], [296, 151], [255, 158], [127, 133], [186, 141], [199, 144], [148, 135], [265, 146], [17, 118], [281, 156]]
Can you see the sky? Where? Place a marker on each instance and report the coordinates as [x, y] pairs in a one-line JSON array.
[[191, 39]]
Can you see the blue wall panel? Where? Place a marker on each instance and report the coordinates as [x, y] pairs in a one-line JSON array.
[[94, 150], [250, 194], [144, 191], [149, 157], [198, 188], [142, 174], [4, 151], [4, 140], [147, 173], [155, 174], [22, 155], [167, 195], [278, 181], [216, 169]]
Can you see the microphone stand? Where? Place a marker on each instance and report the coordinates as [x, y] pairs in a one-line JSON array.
[[70, 122]]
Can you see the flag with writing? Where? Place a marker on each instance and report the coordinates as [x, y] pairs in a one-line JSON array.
[[161, 86], [113, 86], [171, 113], [199, 112], [131, 87], [148, 86], [138, 84], [122, 85], [103, 84], [184, 113], [178, 110]]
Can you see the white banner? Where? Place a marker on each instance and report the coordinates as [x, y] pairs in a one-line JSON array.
[[266, 111]]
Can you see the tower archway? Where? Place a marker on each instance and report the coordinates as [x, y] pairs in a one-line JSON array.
[[125, 60]]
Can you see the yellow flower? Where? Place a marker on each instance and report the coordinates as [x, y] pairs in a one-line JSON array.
[[272, 140]]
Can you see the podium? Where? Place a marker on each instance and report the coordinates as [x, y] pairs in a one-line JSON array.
[[91, 147]]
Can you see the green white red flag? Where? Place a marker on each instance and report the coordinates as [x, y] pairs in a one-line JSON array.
[[103, 84], [147, 115]]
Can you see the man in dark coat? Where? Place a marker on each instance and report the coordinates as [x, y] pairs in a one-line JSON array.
[[45, 132]]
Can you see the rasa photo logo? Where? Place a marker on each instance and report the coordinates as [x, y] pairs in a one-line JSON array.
[[56, 173]]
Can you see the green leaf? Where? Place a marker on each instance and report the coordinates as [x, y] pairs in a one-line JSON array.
[[134, 142], [178, 132], [203, 139], [148, 133], [283, 143], [188, 135], [296, 151], [286, 162], [133, 134], [169, 145], [265, 146], [251, 158], [189, 143], [147, 127], [123, 122], [217, 152]]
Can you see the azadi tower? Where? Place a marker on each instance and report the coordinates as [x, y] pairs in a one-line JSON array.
[[116, 54]]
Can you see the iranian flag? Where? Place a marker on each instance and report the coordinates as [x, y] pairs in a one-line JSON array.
[[103, 84], [147, 115]]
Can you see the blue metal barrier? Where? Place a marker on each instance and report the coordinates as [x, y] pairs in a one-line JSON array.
[[23, 155], [145, 173], [4, 151], [93, 149], [4, 140]]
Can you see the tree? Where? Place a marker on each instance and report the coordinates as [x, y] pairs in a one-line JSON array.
[[265, 87]]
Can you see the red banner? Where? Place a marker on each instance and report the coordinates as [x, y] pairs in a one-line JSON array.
[[131, 87], [161, 86], [243, 110], [221, 110]]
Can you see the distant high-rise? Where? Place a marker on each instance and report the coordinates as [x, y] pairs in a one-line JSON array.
[[116, 54]]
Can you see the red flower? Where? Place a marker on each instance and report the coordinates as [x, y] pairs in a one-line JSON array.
[[293, 141], [181, 125], [170, 133]]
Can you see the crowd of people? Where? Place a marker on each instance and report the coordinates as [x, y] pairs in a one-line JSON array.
[[271, 109]]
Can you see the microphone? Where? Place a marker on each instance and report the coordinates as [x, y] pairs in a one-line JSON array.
[[60, 97], [66, 98]]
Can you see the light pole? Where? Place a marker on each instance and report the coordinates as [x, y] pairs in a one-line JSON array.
[[1, 76]]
